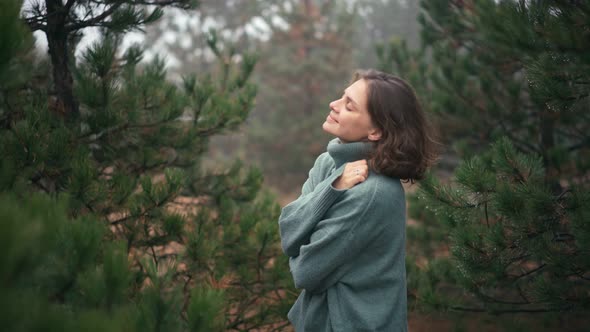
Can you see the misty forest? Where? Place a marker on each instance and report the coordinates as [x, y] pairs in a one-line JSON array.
[[148, 147]]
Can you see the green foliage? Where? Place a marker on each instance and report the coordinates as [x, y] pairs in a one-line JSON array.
[[205, 304], [508, 81], [510, 245], [132, 233], [14, 43], [509, 238], [54, 275]]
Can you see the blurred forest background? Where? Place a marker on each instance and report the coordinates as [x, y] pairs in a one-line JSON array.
[[307, 52], [148, 145]]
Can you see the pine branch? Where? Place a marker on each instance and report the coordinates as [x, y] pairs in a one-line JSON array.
[[153, 254], [7, 118], [486, 214], [521, 293], [88, 206], [162, 3], [211, 130], [530, 148], [36, 23], [61, 293], [122, 127], [259, 255], [537, 269], [573, 135], [37, 181], [69, 5], [100, 20], [142, 169], [499, 301], [124, 219], [516, 171], [155, 241], [434, 23], [144, 213], [562, 237], [519, 258], [483, 110], [565, 192], [454, 204], [94, 21], [584, 144]]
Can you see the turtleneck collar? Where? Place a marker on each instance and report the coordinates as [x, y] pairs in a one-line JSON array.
[[347, 152]]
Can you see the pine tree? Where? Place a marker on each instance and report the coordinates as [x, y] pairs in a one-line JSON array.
[[509, 82], [151, 241]]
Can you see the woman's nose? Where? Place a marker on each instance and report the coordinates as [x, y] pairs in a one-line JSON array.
[[333, 106]]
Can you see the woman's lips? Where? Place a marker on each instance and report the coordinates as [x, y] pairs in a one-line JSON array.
[[331, 119]]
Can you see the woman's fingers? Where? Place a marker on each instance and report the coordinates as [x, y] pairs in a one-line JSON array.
[[360, 167], [358, 170], [354, 173], [358, 162]]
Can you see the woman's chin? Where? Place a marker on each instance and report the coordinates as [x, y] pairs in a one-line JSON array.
[[327, 127]]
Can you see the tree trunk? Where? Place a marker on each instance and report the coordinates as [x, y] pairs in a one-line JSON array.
[[57, 40]]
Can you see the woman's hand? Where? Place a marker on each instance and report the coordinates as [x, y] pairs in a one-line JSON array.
[[354, 173]]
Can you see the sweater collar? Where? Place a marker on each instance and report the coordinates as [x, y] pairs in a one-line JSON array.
[[347, 152]]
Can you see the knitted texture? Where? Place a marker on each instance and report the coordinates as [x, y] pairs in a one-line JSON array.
[[346, 248]]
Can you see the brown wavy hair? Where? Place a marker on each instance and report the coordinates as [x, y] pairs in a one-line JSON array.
[[407, 147]]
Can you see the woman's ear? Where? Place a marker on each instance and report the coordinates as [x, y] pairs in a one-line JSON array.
[[374, 135]]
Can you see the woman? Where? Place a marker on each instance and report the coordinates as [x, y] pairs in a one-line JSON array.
[[345, 234]]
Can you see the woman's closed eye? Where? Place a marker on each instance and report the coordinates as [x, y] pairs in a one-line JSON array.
[[347, 104]]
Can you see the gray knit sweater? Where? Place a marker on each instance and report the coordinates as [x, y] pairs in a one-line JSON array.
[[346, 248]]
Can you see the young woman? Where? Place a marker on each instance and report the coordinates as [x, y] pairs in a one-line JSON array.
[[345, 234]]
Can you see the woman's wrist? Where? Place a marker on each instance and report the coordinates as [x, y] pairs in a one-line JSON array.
[[337, 184]]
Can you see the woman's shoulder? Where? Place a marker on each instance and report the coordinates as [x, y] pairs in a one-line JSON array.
[[379, 189], [377, 198], [324, 163], [324, 159]]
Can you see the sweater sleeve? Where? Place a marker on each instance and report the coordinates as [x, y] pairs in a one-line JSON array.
[[338, 238], [317, 173], [298, 219]]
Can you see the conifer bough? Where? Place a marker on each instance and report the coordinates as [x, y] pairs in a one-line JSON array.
[[109, 219], [63, 20], [510, 82]]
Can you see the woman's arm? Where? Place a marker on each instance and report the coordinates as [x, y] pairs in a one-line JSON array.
[[319, 171], [298, 219], [352, 224]]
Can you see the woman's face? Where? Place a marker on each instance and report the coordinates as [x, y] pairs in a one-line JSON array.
[[349, 118]]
